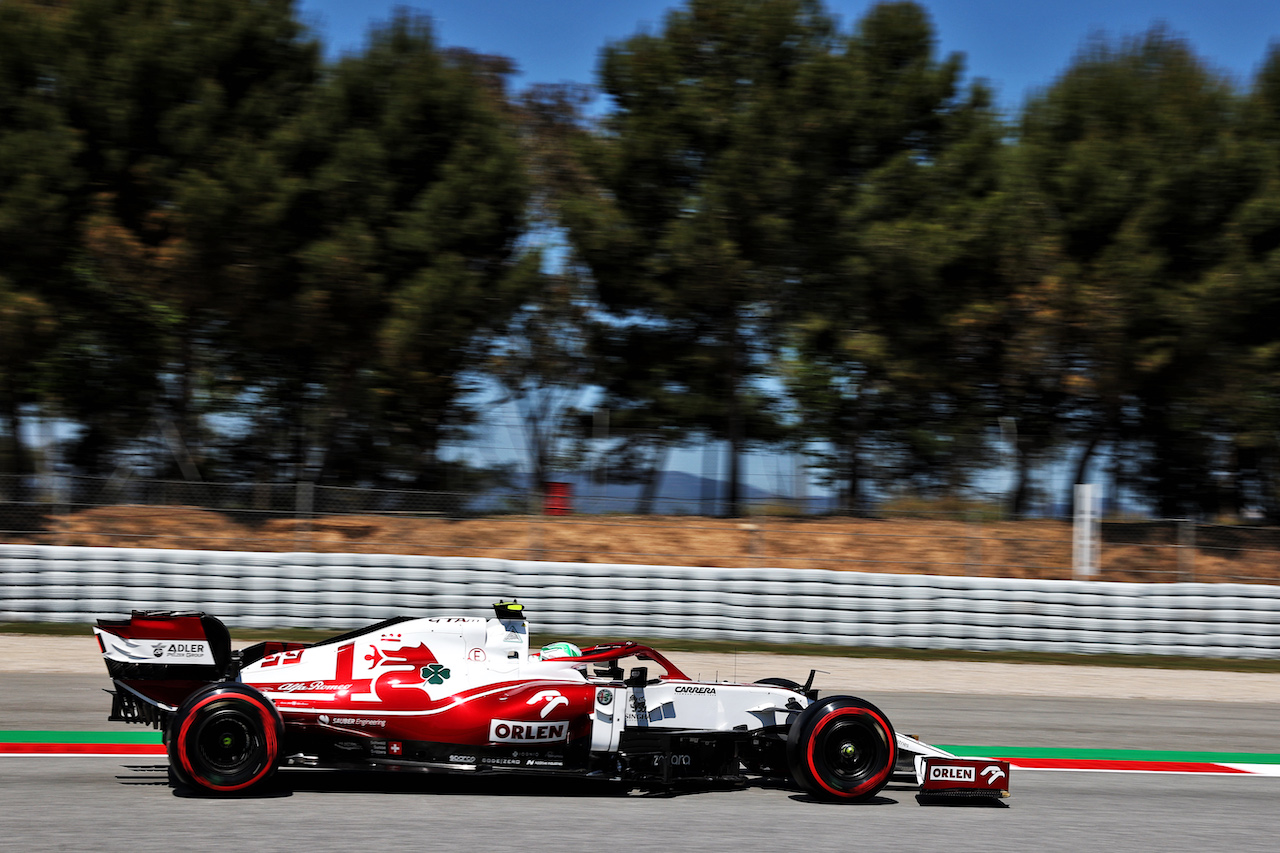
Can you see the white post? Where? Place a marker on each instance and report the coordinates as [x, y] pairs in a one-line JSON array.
[[1086, 537]]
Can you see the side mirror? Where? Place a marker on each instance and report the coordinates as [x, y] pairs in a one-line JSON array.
[[611, 671]]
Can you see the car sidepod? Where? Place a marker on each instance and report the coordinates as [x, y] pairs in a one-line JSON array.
[[683, 731]]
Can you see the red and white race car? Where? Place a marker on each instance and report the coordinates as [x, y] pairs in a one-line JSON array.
[[465, 695]]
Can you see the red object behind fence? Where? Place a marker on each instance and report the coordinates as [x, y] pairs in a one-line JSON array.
[[559, 499]]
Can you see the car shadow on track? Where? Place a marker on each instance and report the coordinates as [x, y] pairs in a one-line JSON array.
[[288, 782], [158, 775], [144, 774], [844, 804], [339, 782], [964, 802]]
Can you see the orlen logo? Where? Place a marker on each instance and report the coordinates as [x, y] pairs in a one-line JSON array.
[[514, 731], [942, 772]]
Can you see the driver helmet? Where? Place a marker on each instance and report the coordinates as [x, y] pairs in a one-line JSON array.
[[560, 650]]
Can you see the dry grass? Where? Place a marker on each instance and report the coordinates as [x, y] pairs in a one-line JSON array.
[[1022, 549]]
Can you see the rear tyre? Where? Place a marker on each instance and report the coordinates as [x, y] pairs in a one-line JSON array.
[[842, 748], [225, 739]]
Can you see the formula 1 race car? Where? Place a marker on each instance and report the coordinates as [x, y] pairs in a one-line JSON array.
[[465, 695]]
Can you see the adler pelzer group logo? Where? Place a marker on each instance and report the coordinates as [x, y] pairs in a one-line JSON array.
[[184, 651]]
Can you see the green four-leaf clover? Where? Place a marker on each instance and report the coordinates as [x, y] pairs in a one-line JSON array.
[[435, 673]]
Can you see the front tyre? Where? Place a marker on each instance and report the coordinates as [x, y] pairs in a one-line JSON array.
[[842, 748], [225, 739]]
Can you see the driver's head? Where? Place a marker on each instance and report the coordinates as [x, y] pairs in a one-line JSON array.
[[560, 650]]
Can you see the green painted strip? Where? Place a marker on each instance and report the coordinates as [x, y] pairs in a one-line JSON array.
[[79, 737], [1115, 754], [153, 737]]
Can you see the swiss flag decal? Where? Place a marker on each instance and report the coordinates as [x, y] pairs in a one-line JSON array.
[[395, 747]]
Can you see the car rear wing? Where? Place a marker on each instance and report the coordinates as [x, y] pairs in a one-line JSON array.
[[159, 657]]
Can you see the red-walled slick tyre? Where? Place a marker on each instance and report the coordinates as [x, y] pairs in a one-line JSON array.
[[842, 748], [225, 739]]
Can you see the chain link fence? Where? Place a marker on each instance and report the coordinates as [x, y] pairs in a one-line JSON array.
[[559, 525]]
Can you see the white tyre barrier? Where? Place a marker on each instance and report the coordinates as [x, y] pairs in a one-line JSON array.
[[341, 591]]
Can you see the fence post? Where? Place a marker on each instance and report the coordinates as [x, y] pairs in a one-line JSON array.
[[1187, 549], [761, 547], [535, 527], [1086, 527], [305, 503], [974, 566]]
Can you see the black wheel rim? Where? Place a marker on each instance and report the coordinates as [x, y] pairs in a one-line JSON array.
[[851, 751], [227, 743]]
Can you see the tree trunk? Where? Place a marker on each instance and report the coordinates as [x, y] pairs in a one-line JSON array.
[[1269, 486], [188, 430], [535, 436], [710, 470], [853, 474], [1082, 467], [1022, 474], [734, 508], [1243, 462], [15, 454], [649, 489], [428, 478], [1117, 474]]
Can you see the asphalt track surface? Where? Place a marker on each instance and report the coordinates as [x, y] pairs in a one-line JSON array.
[[126, 804]]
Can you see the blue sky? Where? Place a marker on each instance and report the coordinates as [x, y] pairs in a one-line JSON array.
[[1017, 45]]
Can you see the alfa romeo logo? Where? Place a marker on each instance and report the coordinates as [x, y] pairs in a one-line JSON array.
[[605, 697], [435, 673]]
